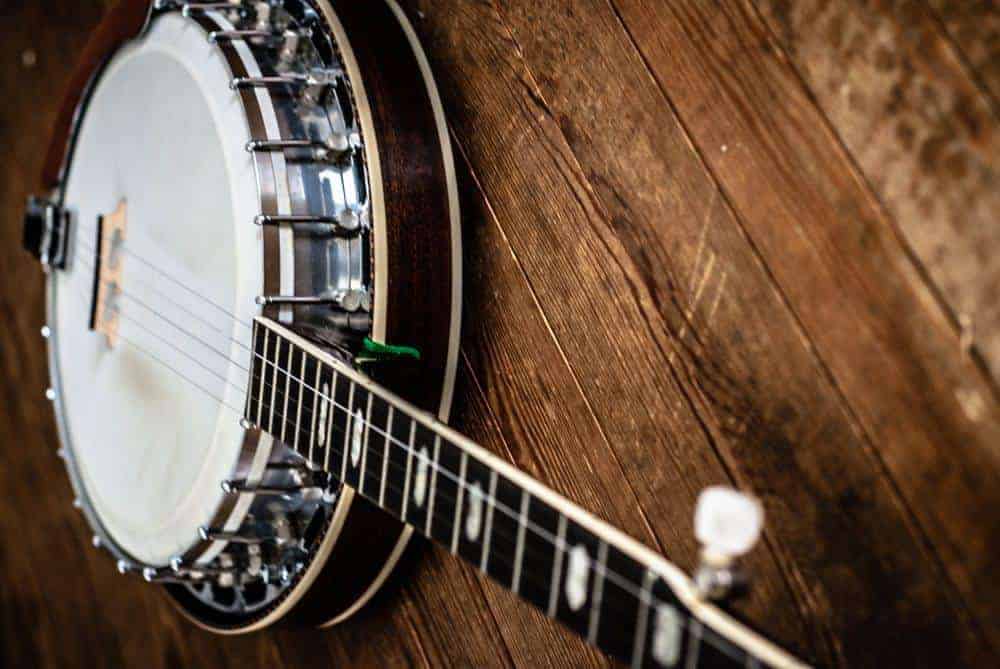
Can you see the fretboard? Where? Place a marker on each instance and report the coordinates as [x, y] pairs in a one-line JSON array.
[[606, 587]]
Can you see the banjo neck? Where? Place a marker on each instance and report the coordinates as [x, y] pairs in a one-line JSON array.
[[620, 596]]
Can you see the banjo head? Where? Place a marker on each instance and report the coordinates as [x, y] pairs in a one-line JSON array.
[[225, 164]]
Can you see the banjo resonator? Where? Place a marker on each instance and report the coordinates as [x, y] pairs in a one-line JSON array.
[[253, 254]]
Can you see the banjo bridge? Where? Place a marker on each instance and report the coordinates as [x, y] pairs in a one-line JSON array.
[[111, 231]]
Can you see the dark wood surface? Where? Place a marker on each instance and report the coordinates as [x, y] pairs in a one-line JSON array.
[[752, 242]]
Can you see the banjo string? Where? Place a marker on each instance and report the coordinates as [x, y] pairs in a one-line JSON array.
[[124, 248], [620, 580]]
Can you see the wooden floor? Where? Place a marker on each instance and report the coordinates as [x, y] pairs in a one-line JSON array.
[[745, 241]]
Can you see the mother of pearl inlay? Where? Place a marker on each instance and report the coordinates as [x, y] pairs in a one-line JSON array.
[[420, 480], [577, 574], [323, 409], [667, 635], [474, 519], [357, 430]]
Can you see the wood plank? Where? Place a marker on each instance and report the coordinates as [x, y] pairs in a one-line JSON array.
[[837, 261], [591, 240], [974, 29], [899, 97]]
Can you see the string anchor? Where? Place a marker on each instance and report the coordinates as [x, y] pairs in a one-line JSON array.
[[727, 524]]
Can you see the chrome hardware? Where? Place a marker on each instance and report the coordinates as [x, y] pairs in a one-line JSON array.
[[50, 394], [179, 567], [61, 453], [46, 231], [189, 8], [247, 425], [240, 485], [727, 524], [240, 35], [332, 148], [348, 300], [264, 82], [212, 534], [346, 223], [127, 567], [77, 504], [96, 542], [168, 575], [46, 332]]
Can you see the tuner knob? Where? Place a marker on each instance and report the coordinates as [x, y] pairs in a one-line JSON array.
[[727, 524]]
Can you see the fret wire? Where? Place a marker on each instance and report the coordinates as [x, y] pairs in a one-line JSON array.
[[364, 444], [274, 382], [639, 645], [431, 490], [347, 430], [385, 456], [456, 526], [622, 582], [595, 600], [557, 567], [409, 460], [522, 520], [288, 384], [298, 412], [330, 417], [260, 398], [488, 530], [312, 429]]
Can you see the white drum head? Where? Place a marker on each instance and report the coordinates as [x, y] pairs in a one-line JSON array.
[[147, 420]]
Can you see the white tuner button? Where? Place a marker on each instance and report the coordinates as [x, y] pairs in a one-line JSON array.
[[727, 522]]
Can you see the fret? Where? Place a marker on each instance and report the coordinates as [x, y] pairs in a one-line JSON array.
[[595, 601], [556, 580], [409, 465], [617, 606], [397, 467], [367, 429], [456, 524], [272, 392], [446, 491], [581, 550], [522, 526], [372, 465], [538, 559], [664, 639], [421, 473], [330, 415], [639, 643], [317, 390], [298, 407], [488, 530], [385, 456], [503, 529], [354, 442], [473, 520], [432, 495], [286, 364], [346, 436]]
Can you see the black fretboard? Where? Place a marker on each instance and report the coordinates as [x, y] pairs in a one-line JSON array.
[[577, 569]]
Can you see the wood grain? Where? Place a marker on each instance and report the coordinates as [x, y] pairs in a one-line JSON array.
[[688, 261]]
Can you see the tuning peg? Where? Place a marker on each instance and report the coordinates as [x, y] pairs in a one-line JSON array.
[[728, 524]]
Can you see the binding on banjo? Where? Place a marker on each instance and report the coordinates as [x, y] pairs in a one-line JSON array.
[[252, 385]]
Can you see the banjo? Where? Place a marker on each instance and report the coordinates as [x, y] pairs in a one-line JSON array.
[[251, 235]]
